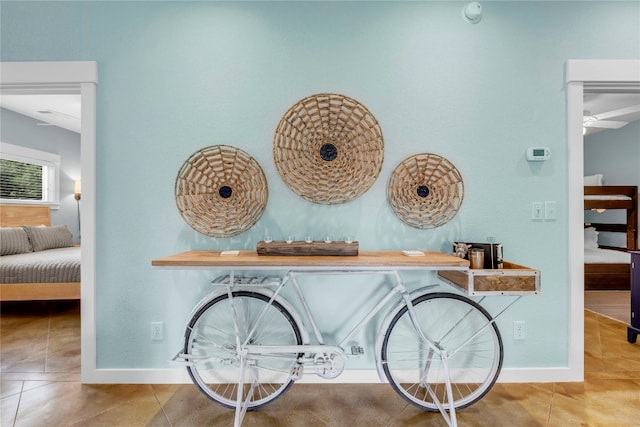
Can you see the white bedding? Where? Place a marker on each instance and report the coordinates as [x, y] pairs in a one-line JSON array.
[[48, 266], [607, 197], [606, 256]]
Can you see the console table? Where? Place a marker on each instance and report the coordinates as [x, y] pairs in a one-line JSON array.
[[515, 281], [365, 260]]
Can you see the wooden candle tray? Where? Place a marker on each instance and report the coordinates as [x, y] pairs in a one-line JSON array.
[[302, 248]]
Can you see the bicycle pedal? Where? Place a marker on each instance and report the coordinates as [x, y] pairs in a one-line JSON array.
[[356, 350]]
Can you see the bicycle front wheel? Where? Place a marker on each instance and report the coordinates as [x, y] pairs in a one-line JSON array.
[[457, 326], [211, 345]]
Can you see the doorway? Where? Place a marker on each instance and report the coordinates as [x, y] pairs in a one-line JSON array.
[[610, 159], [82, 78], [584, 75]]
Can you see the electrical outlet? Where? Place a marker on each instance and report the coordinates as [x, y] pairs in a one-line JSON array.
[[157, 333], [518, 330]]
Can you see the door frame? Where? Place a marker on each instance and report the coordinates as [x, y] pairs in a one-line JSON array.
[[584, 76], [78, 77]]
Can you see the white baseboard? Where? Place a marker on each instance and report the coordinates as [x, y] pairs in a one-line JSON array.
[[540, 375], [365, 376]]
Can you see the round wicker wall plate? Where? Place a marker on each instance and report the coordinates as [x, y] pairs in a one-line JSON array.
[[425, 190], [221, 191], [328, 148]]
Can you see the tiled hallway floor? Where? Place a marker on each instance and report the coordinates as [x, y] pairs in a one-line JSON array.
[[614, 304], [43, 389]]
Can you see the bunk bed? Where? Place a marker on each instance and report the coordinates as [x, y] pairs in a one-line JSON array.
[[606, 267], [39, 264]]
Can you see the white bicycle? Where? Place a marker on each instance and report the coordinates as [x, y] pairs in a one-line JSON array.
[[246, 345]]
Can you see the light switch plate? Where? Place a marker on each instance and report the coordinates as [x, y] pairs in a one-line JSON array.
[[537, 211], [550, 211]]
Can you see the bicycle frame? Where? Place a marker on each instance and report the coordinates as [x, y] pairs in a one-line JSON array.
[[399, 288], [245, 349]]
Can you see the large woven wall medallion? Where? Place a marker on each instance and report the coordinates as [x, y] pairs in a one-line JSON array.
[[328, 148], [221, 191], [425, 190]]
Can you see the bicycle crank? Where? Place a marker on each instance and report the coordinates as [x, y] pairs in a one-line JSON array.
[[329, 365]]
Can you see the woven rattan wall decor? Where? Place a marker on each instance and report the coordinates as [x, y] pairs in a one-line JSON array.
[[221, 191], [425, 190], [328, 148]]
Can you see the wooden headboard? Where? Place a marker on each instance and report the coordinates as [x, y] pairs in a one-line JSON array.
[[17, 215]]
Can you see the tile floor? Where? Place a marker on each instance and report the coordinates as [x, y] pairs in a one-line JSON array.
[[614, 304], [40, 386]]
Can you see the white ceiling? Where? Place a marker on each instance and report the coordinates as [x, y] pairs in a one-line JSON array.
[[617, 109], [64, 110], [53, 109]]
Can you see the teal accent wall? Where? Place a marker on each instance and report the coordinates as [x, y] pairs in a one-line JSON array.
[[178, 76]]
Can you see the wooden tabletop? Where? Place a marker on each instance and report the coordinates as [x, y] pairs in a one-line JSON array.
[[365, 260]]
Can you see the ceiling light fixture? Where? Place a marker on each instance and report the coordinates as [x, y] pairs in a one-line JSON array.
[[472, 12], [58, 113]]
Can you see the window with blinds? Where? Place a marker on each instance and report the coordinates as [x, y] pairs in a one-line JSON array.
[[28, 176], [22, 181]]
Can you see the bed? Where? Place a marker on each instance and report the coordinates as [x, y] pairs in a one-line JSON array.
[[608, 268], [43, 266]]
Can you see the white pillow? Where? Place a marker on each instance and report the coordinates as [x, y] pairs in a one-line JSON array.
[[590, 238], [593, 179]]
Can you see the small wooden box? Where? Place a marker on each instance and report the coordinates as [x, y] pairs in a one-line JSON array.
[[512, 279], [301, 248]]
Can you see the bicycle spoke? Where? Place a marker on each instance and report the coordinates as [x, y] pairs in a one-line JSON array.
[[415, 369], [211, 334]]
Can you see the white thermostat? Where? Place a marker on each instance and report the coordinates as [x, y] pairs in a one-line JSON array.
[[538, 154]]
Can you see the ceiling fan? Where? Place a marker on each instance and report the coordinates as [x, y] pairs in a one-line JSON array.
[[614, 119]]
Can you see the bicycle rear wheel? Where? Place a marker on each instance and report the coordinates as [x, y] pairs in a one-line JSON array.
[[448, 320], [210, 342]]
